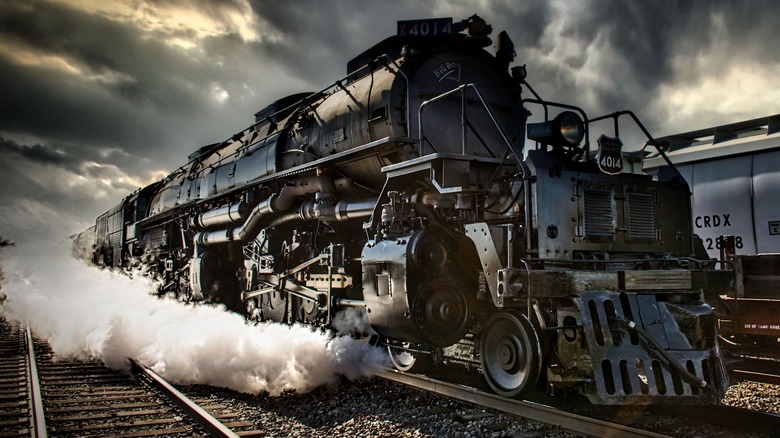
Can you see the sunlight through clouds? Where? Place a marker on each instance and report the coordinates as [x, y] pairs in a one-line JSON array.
[[219, 94], [21, 54], [183, 23], [737, 90]]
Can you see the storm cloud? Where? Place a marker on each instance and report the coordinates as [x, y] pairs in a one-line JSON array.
[[102, 97]]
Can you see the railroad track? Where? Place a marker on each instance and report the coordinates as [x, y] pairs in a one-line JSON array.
[[87, 399], [571, 422], [18, 401], [736, 420], [755, 365], [756, 370]]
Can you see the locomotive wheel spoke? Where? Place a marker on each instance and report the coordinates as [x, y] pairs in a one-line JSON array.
[[402, 359], [509, 352]]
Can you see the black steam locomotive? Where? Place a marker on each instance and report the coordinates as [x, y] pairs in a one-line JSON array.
[[405, 191]]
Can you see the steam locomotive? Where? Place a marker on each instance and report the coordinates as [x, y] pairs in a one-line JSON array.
[[405, 192]]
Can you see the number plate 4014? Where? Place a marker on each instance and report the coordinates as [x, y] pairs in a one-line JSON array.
[[424, 28]]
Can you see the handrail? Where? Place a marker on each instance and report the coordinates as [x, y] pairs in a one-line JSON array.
[[408, 91], [518, 155], [462, 89], [650, 138]]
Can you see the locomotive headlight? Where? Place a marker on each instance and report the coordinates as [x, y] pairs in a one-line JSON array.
[[571, 127], [565, 130]]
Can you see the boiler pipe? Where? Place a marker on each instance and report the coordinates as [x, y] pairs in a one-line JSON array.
[[229, 214]]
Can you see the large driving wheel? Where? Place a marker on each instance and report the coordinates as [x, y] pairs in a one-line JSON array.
[[509, 351]]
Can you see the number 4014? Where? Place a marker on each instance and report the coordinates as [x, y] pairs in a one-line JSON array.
[[611, 162]]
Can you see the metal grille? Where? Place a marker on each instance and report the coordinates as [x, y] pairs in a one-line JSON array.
[[115, 229], [641, 218], [625, 368], [599, 212], [155, 238]]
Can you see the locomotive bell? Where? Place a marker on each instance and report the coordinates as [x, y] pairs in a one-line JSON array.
[[477, 31]]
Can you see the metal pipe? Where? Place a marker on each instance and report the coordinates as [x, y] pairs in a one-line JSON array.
[[360, 208], [463, 120], [265, 210], [229, 214], [684, 373], [253, 223], [347, 302], [342, 211]]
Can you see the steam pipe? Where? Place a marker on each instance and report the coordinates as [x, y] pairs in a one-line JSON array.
[[277, 203], [229, 214], [342, 211], [266, 214], [361, 208], [347, 302]]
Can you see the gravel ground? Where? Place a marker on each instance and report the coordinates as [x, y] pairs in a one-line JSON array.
[[372, 407], [756, 396], [376, 407]]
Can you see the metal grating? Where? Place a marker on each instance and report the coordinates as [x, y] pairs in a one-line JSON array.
[[599, 213], [641, 216], [625, 368]]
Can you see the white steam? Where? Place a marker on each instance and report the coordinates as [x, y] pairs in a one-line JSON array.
[[352, 321], [86, 312]]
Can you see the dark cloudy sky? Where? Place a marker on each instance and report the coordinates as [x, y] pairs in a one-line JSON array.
[[100, 97]]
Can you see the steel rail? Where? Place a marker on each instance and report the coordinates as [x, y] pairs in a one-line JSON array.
[[534, 411], [37, 419], [213, 426], [755, 365], [755, 376]]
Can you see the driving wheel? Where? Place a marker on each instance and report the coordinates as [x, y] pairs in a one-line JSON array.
[[402, 359], [509, 351]]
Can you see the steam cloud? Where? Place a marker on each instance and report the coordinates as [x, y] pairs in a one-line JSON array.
[[88, 313]]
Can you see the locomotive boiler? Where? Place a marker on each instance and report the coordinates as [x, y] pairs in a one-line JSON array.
[[405, 192]]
